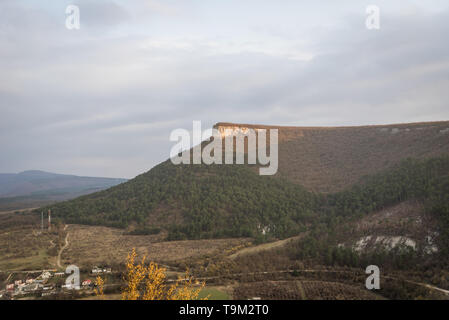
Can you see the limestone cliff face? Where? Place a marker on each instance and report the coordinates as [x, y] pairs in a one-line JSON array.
[[231, 130]]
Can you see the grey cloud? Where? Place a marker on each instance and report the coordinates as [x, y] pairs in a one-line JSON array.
[[104, 104], [104, 14]]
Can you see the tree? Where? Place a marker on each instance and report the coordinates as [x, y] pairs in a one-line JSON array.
[[148, 282], [99, 287]]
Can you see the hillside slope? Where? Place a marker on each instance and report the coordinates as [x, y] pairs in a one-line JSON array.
[[197, 201], [330, 159], [200, 201]]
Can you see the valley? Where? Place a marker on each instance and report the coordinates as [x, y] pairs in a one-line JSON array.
[[344, 198]]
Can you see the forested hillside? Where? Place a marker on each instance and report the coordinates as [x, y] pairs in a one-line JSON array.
[[426, 181], [366, 168], [199, 201]]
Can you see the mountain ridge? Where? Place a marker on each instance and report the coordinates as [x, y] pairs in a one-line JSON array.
[[201, 201], [34, 187], [426, 123], [330, 159]]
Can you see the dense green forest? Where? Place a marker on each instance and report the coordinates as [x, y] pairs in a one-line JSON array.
[[233, 201], [214, 201], [424, 180]]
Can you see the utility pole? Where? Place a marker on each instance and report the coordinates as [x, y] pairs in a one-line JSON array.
[[42, 221], [49, 220]]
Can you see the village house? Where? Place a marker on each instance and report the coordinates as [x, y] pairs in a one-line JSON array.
[[48, 293], [46, 275], [97, 270], [86, 283], [32, 287]]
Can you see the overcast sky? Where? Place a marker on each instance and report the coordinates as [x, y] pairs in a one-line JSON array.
[[102, 100]]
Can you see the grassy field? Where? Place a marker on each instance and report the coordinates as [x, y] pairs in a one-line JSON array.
[[24, 246], [214, 293], [93, 245], [32, 261]]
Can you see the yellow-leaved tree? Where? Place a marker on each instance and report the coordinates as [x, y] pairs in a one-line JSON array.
[[148, 282], [99, 287]]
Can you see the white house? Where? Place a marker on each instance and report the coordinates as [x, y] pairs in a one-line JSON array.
[[86, 283]]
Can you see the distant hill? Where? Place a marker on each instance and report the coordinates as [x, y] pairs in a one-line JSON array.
[[326, 175], [31, 188]]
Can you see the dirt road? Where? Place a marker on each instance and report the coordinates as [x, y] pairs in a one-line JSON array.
[[265, 246], [58, 261]]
